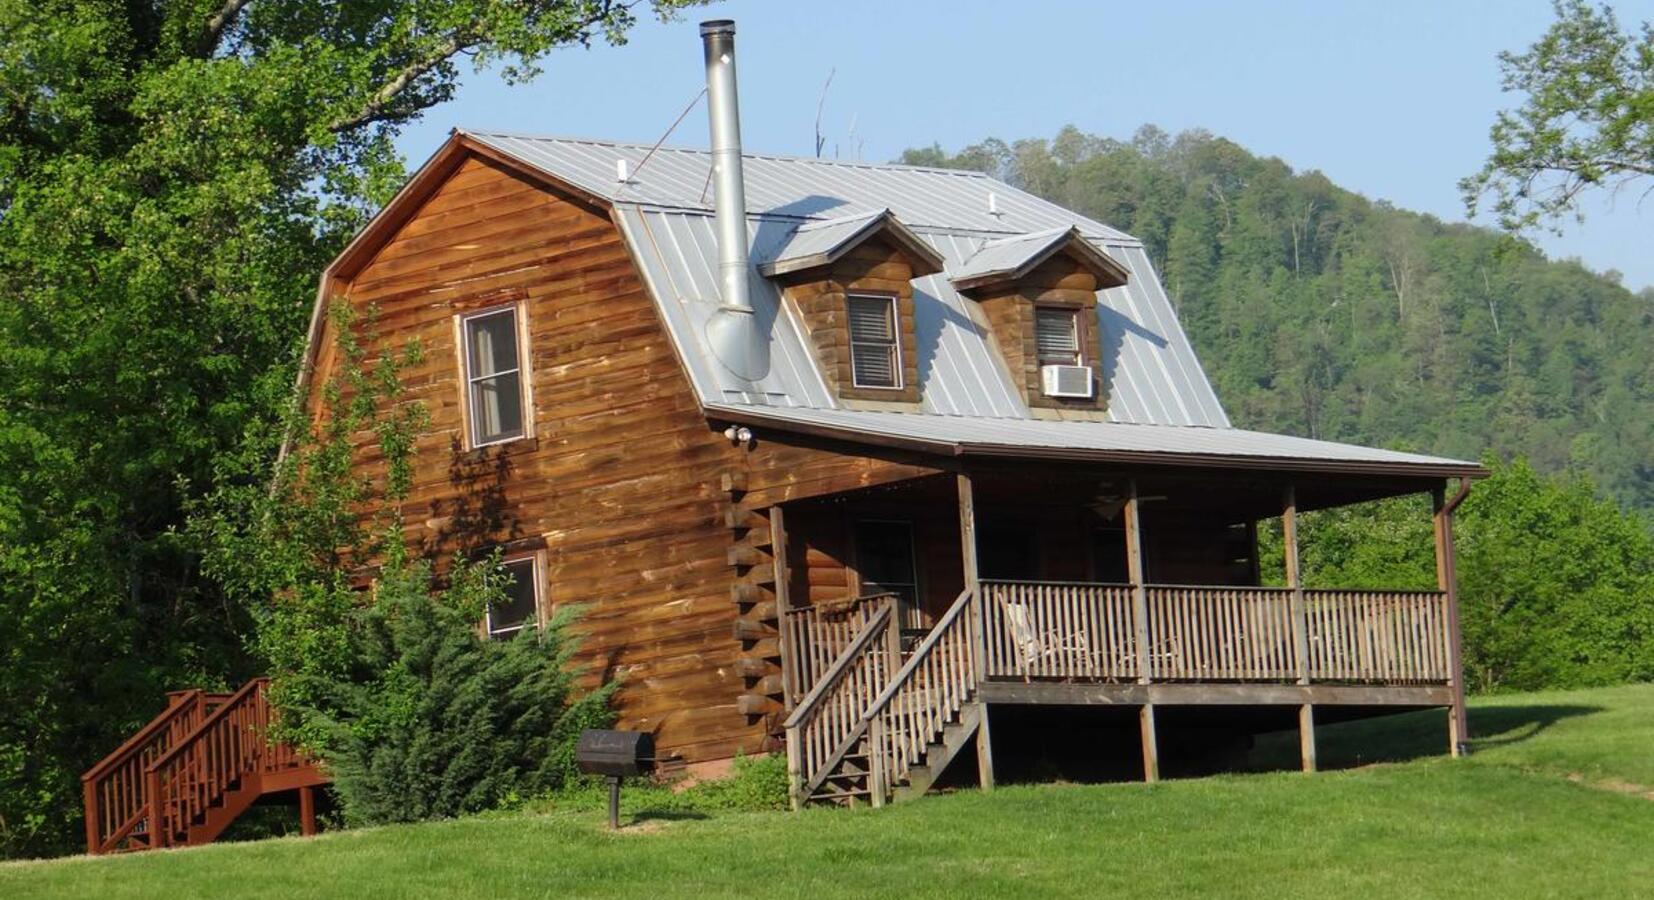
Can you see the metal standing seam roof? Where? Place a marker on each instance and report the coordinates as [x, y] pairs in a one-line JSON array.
[[1159, 400]]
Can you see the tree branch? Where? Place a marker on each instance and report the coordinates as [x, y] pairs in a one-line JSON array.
[[218, 24], [387, 93]]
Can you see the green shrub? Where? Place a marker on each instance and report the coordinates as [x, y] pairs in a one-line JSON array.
[[432, 720]]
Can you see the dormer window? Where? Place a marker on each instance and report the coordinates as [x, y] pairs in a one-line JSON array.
[[1057, 336], [850, 282], [875, 353]]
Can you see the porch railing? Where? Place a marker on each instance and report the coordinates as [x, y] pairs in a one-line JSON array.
[[817, 634], [1051, 630]]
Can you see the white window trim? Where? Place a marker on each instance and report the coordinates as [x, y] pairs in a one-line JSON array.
[[895, 336], [525, 387], [1074, 326], [538, 568]]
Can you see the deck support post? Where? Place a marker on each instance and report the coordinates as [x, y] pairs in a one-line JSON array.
[[984, 752], [1306, 735], [1458, 724], [1295, 580], [307, 811], [1151, 743]]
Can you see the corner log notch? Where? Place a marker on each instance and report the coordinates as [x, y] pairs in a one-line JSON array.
[[758, 605]]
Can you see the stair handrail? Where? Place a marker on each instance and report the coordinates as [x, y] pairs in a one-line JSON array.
[[949, 676], [113, 790], [228, 744], [836, 701]]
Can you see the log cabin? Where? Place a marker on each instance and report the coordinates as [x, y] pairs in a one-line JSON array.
[[857, 461]]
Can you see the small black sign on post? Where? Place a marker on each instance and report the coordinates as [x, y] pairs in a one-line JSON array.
[[615, 755]]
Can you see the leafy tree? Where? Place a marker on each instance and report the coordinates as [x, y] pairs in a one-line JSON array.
[[1587, 122], [172, 178], [1556, 586], [1316, 311]]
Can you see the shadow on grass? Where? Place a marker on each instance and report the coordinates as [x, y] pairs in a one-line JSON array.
[[668, 815], [1408, 736]]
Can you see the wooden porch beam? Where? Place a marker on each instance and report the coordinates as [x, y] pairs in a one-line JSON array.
[[979, 625], [1295, 580], [1458, 724], [778, 549], [1139, 588]]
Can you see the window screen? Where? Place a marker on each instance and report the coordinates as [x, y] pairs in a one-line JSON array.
[[874, 360], [521, 606], [1056, 332], [495, 391]]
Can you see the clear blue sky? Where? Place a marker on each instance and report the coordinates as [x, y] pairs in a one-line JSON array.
[[1392, 98]]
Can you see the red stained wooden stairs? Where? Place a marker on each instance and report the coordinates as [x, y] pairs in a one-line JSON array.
[[184, 777]]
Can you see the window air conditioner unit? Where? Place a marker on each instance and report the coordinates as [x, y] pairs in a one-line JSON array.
[[1066, 381]]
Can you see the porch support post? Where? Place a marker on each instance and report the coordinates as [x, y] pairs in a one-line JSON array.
[[1151, 743], [307, 811], [1295, 580], [1458, 724], [979, 626], [790, 692], [1140, 629], [1139, 593], [1306, 736]]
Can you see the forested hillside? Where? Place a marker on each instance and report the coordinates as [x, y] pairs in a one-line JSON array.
[[1319, 312]]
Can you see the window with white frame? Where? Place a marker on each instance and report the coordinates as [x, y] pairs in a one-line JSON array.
[[1057, 336], [875, 357], [493, 376], [520, 607]]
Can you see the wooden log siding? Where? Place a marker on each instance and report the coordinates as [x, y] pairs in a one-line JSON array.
[[621, 481]]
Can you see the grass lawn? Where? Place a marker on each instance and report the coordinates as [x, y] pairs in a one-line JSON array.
[[1528, 815]]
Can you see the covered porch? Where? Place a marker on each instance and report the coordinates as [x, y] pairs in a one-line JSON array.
[[1078, 585]]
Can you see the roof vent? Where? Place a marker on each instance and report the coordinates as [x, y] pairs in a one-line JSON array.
[[623, 173], [732, 332]]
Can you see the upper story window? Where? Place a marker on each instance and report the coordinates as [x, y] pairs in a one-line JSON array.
[[875, 354], [521, 607], [1057, 336], [494, 384]]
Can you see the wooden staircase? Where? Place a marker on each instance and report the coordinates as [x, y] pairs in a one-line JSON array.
[[876, 729], [196, 767]]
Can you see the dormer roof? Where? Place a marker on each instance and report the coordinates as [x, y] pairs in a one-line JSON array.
[[814, 244], [1010, 259]]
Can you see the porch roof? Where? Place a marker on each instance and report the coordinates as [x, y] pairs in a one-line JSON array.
[[1097, 441]]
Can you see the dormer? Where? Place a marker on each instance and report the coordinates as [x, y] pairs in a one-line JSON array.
[[1038, 293], [851, 282]]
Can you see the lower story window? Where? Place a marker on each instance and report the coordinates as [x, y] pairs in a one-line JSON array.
[[885, 563], [520, 608]]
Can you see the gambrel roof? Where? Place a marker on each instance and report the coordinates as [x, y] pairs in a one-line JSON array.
[[1158, 400]]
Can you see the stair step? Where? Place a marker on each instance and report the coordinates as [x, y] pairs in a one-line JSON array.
[[839, 795]]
